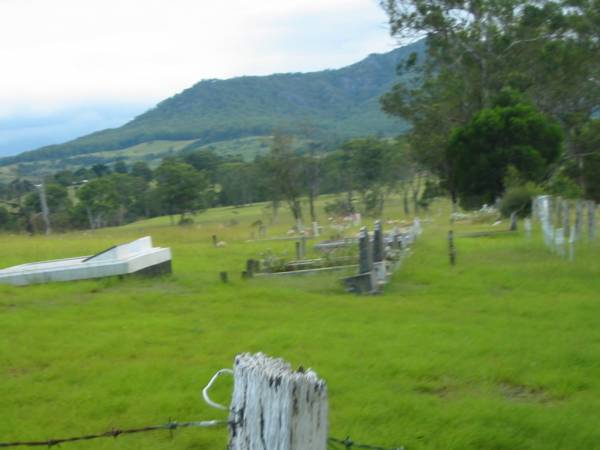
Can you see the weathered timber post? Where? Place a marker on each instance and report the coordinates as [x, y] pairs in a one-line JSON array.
[[276, 408], [451, 248], [378, 253], [528, 227], [214, 240], [559, 241], [535, 213], [558, 212], [578, 219], [572, 239], [566, 217], [592, 220]]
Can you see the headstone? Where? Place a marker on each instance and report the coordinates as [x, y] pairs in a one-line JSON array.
[[214, 240], [262, 231], [249, 268], [303, 245], [365, 261], [315, 229], [224, 277], [378, 242], [298, 250], [379, 268]]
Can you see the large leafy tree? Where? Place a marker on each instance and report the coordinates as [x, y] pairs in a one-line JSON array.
[[373, 167], [496, 139], [181, 188], [548, 50], [283, 170]]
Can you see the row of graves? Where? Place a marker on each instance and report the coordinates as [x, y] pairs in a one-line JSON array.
[[564, 223], [374, 256]]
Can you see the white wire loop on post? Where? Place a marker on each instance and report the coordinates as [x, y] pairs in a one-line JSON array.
[[209, 385]]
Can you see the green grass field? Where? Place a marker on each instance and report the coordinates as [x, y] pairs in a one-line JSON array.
[[500, 352]]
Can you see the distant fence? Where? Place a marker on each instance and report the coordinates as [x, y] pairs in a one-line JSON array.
[[273, 408]]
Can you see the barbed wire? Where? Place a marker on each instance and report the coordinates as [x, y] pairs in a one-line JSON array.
[[170, 426], [349, 444], [115, 432]]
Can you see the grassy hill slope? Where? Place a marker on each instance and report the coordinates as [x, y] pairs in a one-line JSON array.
[[330, 105]]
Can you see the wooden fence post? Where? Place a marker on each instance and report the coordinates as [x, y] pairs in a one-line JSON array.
[[566, 218], [592, 220], [451, 248], [276, 408], [578, 219]]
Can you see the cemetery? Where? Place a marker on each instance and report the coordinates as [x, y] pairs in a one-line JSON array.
[[375, 255], [409, 366]]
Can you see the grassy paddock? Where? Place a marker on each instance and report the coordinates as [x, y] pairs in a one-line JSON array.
[[500, 352]]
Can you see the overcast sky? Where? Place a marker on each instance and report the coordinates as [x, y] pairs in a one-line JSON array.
[[59, 52]]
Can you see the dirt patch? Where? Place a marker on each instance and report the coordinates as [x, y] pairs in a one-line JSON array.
[[524, 393]]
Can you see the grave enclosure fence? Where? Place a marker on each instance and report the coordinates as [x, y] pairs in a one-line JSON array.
[[564, 223]]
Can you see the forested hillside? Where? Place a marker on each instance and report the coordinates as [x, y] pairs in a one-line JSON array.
[[325, 105]]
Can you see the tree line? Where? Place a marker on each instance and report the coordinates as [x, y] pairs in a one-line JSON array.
[[363, 172]]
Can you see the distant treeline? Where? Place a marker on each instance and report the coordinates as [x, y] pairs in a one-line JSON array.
[[362, 171]]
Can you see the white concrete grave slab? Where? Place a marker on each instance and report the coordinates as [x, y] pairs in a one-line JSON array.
[[133, 257]]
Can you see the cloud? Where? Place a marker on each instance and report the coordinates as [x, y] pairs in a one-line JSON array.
[[64, 51]]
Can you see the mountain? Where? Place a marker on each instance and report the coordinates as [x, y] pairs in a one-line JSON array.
[[325, 105]]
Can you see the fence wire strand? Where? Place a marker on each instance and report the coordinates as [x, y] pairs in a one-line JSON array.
[[115, 432], [335, 443]]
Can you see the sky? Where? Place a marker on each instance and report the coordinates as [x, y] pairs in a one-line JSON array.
[[74, 66]]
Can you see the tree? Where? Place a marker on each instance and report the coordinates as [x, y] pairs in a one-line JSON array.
[[548, 50], [498, 138], [142, 170], [181, 188], [101, 170], [371, 165], [121, 167], [99, 198], [284, 172], [588, 165]]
